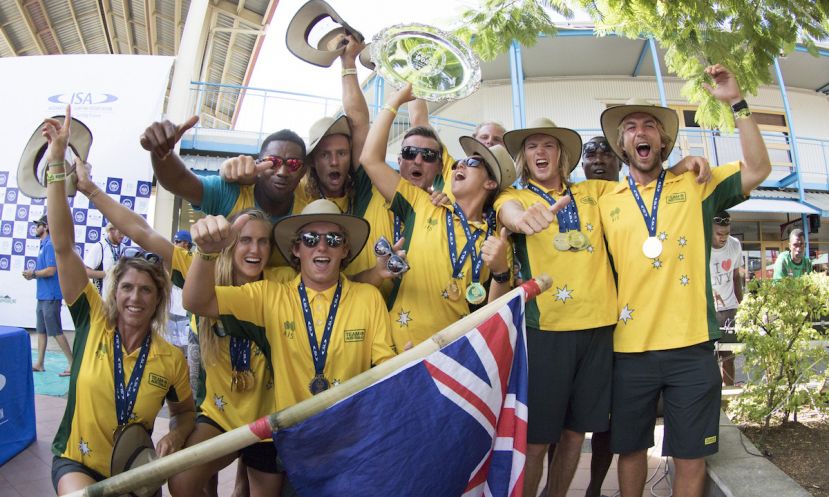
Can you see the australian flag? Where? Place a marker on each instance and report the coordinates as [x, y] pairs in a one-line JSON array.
[[451, 424]]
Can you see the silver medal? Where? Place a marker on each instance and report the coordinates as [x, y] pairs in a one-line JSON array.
[[652, 248]]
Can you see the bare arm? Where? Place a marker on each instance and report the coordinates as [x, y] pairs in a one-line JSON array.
[[494, 253], [374, 152], [160, 140], [354, 102], [70, 267], [756, 165], [738, 284], [182, 422], [418, 113]]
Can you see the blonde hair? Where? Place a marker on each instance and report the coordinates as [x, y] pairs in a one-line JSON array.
[[523, 167], [159, 277], [663, 137], [208, 340]]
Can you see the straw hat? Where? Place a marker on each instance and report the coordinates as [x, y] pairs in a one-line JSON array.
[[612, 117], [329, 46], [497, 157], [31, 170], [569, 139], [133, 447], [326, 211], [324, 127]]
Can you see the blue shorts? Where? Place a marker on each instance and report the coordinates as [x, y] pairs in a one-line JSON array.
[[48, 318]]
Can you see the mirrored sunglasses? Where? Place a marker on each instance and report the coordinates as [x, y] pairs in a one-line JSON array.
[[396, 265], [137, 252], [470, 162], [409, 153], [722, 221], [593, 147], [311, 239], [293, 165]]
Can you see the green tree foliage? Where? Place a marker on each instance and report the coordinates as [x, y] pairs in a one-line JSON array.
[[775, 324], [743, 35]]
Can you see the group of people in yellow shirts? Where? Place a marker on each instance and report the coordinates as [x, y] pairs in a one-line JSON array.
[[315, 263]]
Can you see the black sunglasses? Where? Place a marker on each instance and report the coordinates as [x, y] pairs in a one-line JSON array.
[[592, 147], [470, 162], [311, 239], [722, 221], [139, 253], [409, 153]]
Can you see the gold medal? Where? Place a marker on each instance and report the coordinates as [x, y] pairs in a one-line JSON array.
[[242, 385], [561, 242], [250, 382], [577, 240], [475, 293], [453, 291], [318, 384]]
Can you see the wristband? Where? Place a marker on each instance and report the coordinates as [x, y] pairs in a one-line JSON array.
[[207, 256], [50, 165], [54, 177], [350, 71], [92, 195], [390, 109], [502, 277]]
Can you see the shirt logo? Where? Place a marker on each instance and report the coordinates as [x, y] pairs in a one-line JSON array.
[[289, 329], [431, 223], [588, 200], [614, 214], [676, 198], [355, 335], [158, 381]]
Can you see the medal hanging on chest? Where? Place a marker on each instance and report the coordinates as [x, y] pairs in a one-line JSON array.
[[242, 379], [569, 236], [319, 352], [652, 246], [127, 395], [475, 292]]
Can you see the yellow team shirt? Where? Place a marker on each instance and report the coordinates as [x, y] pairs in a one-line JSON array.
[[666, 302], [583, 294], [419, 305], [90, 420], [228, 407], [270, 314], [302, 197]]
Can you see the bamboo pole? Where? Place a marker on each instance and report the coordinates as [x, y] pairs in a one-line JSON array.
[[156, 472]]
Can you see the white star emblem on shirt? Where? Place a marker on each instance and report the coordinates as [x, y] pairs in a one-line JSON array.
[[590, 249], [83, 447], [626, 314], [444, 294], [403, 317], [589, 227], [684, 280], [219, 402], [657, 263], [563, 294], [683, 241], [682, 257], [662, 236]]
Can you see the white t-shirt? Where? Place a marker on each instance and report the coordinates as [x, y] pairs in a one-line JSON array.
[[102, 256], [724, 264]]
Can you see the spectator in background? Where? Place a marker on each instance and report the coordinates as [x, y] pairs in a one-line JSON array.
[[177, 329], [793, 262], [103, 255], [48, 299], [726, 256]]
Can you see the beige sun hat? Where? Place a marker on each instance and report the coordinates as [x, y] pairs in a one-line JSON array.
[[569, 139], [133, 448], [329, 46], [324, 127], [612, 117], [321, 210], [31, 170], [501, 164]]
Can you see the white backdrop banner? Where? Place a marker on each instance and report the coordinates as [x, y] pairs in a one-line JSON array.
[[117, 97]]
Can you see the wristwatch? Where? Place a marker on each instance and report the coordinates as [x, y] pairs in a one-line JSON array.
[[502, 277]]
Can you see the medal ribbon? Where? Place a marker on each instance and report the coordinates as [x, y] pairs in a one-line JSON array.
[[397, 227], [240, 354], [469, 249], [319, 352], [568, 217], [125, 397], [650, 219]]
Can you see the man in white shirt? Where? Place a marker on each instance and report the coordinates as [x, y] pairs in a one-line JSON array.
[[726, 257], [103, 255]]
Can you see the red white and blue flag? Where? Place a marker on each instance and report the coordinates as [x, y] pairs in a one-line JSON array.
[[452, 424]]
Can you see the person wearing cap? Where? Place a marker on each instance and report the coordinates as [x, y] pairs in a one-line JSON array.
[[657, 225], [178, 331], [451, 250], [726, 283], [103, 255], [123, 371], [48, 321], [320, 327]]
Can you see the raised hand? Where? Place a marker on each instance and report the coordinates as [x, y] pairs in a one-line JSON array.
[[57, 135], [160, 138], [494, 252], [699, 165], [213, 233], [725, 88], [439, 198], [537, 217], [401, 96], [84, 178], [353, 47], [245, 170]]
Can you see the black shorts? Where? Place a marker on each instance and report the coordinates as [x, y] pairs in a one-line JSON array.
[[569, 382], [259, 456], [688, 379], [62, 466]]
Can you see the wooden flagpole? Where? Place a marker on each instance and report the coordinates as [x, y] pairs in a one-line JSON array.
[[156, 472]]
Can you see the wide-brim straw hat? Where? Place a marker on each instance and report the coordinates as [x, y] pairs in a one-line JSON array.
[[501, 164], [31, 170], [133, 448], [321, 211], [612, 117], [325, 127], [329, 46], [570, 140]]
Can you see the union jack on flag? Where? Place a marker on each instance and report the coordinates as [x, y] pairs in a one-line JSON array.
[[451, 424]]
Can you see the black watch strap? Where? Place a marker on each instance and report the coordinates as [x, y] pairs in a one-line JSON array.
[[742, 104], [502, 277]]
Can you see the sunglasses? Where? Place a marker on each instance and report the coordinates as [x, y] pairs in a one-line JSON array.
[[470, 162], [135, 252], [722, 221], [293, 165], [396, 265], [311, 239], [409, 153], [593, 147]]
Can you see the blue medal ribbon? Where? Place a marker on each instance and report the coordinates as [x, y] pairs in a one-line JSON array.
[[650, 219], [125, 396], [568, 217], [240, 354], [397, 227], [469, 249], [319, 352]]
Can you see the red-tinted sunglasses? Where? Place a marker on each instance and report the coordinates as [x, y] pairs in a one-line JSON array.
[[293, 165]]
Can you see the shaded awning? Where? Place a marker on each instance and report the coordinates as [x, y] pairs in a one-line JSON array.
[[774, 205]]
